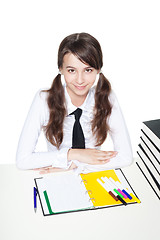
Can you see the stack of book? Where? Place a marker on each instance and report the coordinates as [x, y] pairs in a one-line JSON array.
[[149, 153]]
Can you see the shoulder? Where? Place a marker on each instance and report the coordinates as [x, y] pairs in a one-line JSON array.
[[114, 103], [39, 102], [113, 98], [41, 96]]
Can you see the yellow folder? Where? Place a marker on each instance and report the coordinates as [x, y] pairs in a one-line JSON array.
[[98, 195]]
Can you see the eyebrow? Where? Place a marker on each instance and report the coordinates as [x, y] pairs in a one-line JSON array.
[[75, 68], [70, 67]]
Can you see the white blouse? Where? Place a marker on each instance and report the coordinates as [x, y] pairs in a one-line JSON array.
[[38, 116]]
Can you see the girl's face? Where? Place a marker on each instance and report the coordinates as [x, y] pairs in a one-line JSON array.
[[79, 77]]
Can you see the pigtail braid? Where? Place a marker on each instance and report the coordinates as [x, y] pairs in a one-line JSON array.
[[56, 104], [102, 109]]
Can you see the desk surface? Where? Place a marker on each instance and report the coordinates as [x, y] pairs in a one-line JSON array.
[[19, 221]]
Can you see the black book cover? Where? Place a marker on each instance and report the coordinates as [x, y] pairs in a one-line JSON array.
[[154, 126]]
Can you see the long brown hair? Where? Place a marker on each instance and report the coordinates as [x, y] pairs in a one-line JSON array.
[[88, 50]]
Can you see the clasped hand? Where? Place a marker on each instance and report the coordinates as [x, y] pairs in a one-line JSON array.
[[89, 156]]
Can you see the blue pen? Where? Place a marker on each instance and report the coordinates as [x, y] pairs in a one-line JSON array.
[[124, 190], [129, 196], [35, 198]]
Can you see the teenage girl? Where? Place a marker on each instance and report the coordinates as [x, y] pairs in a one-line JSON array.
[[79, 62]]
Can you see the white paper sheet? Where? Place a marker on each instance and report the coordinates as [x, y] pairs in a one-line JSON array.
[[66, 192]]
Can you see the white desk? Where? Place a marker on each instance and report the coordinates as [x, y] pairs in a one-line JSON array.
[[18, 220]]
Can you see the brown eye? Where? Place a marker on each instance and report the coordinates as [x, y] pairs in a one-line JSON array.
[[88, 70], [71, 70]]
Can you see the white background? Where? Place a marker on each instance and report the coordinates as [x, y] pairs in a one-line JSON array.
[[31, 31]]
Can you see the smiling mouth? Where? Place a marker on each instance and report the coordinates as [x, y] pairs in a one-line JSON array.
[[80, 87]]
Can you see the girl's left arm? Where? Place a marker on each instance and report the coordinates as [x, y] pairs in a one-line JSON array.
[[120, 138]]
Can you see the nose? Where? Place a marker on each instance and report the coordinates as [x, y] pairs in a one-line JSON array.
[[79, 79]]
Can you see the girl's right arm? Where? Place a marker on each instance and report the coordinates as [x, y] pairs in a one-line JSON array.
[[27, 157]]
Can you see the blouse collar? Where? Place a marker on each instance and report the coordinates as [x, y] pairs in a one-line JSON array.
[[87, 104]]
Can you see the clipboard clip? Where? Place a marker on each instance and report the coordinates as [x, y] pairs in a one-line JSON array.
[[83, 181], [92, 199]]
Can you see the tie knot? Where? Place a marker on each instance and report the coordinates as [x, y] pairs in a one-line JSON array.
[[77, 113]]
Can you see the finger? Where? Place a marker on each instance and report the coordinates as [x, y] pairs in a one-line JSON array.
[[51, 170], [106, 152], [42, 168], [105, 157], [108, 155], [73, 166], [38, 169], [100, 162], [103, 162], [44, 171]]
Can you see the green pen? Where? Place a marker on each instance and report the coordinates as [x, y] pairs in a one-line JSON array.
[[48, 203], [118, 193]]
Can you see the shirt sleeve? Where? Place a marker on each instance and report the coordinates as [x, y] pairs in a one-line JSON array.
[[121, 142], [26, 156]]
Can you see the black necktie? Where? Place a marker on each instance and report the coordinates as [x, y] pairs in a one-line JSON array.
[[78, 140]]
